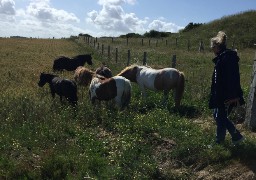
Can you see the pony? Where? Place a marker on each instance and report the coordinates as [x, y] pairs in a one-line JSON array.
[[104, 71], [83, 76], [60, 86], [157, 79], [70, 64], [116, 88]]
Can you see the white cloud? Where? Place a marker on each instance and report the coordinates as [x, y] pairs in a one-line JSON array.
[[38, 19], [116, 2], [7, 7], [160, 25], [43, 11], [113, 20]]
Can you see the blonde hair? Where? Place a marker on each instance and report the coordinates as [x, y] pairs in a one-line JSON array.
[[220, 40]]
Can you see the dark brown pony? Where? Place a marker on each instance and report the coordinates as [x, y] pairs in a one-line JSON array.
[[104, 71], [60, 86], [70, 64]]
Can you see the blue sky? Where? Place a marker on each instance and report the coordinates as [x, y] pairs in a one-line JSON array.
[[63, 18]]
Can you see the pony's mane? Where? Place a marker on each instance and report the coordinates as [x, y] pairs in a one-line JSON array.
[[84, 69], [127, 68]]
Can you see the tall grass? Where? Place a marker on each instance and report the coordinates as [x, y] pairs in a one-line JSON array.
[[42, 138]]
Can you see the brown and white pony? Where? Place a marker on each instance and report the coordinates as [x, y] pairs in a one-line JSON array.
[[156, 79], [104, 89], [117, 88]]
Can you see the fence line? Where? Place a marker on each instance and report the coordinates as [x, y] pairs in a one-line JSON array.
[[114, 53], [167, 41]]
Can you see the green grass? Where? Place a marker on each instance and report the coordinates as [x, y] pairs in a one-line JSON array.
[[43, 139]]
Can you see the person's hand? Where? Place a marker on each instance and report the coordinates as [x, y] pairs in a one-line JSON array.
[[234, 101]]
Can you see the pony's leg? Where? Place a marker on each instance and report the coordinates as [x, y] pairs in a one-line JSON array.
[[143, 91], [176, 98], [165, 97], [60, 98], [53, 94], [118, 102]]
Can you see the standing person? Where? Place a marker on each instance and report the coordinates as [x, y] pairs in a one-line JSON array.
[[226, 91]]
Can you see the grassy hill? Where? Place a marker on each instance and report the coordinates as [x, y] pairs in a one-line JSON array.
[[240, 29]]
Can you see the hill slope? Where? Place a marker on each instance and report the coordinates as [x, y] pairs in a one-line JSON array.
[[240, 28]]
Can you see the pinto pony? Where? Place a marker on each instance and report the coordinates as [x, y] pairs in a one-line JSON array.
[[117, 88], [62, 87], [70, 64], [157, 79]]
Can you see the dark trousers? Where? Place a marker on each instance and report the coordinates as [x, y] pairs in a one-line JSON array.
[[223, 124]]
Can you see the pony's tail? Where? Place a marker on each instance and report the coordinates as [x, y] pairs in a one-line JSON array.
[[180, 89], [126, 96]]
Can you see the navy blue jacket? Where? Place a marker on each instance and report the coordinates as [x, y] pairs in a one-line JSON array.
[[225, 79]]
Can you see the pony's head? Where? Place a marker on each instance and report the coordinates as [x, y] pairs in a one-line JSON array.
[[86, 58], [83, 76], [104, 71], [89, 59], [44, 78], [130, 73]]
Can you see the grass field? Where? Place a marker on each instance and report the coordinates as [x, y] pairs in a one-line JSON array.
[[43, 139]]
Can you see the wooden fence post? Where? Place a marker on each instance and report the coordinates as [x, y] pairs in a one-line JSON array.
[[174, 61], [250, 117], [127, 41], [116, 54], [129, 57], [108, 52], [145, 58], [188, 45], [176, 42], [102, 49], [201, 46]]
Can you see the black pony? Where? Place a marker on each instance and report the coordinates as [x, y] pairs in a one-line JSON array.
[[60, 86], [70, 64]]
